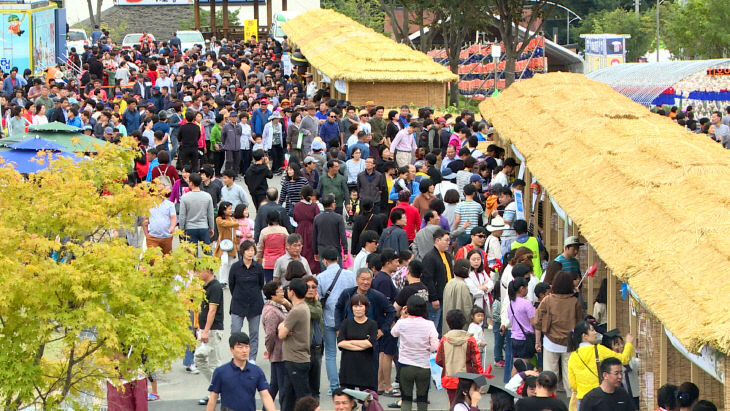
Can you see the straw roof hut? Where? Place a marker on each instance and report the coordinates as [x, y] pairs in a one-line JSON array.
[[650, 199], [368, 65]]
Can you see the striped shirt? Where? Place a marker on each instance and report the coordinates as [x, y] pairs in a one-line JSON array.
[[469, 211], [290, 192]]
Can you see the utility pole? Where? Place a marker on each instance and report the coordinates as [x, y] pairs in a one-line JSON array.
[[636, 6]]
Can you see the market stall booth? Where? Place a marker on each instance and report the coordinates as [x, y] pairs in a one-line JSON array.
[[358, 64], [30, 35], [703, 84], [651, 203]]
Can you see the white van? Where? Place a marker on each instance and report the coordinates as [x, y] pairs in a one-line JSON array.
[[189, 38]]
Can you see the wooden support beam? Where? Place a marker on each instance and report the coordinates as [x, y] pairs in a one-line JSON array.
[[663, 345], [611, 300], [283, 5], [226, 26], [196, 11], [256, 11], [547, 215], [213, 26], [269, 14]]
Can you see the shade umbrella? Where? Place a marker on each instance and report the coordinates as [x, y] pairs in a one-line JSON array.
[[69, 141], [54, 126], [26, 159]]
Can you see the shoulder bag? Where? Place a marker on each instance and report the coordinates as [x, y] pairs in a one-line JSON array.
[[529, 337], [327, 293]]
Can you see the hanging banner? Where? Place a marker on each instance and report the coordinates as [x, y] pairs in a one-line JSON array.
[[251, 29], [15, 36], [709, 359], [286, 64]]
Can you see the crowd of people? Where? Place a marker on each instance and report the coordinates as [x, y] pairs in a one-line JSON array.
[[717, 126], [392, 236]]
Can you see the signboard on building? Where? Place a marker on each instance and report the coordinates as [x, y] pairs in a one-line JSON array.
[[603, 50], [44, 39], [15, 36], [251, 29]]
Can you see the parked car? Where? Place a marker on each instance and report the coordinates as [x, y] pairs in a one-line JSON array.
[[77, 39], [133, 38], [189, 38]]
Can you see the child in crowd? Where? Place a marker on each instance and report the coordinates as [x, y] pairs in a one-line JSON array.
[[355, 203], [245, 224], [399, 276], [258, 143]]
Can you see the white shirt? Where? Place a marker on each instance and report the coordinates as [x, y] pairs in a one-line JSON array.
[[501, 179], [360, 260]]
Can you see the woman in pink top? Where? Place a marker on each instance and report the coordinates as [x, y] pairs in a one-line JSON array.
[[272, 244], [418, 338], [404, 145]]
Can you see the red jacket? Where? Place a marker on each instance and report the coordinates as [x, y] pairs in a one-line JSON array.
[[413, 219], [473, 362]]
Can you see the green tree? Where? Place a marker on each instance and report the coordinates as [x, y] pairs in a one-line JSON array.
[[697, 29], [620, 21], [368, 13], [79, 306], [189, 23]]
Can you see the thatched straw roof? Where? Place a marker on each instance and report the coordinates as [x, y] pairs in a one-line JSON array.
[[343, 49], [651, 198]]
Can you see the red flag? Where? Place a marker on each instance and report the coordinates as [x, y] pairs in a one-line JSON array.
[[592, 271], [488, 372]]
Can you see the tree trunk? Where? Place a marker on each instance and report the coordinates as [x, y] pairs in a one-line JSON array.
[[453, 45], [509, 69], [98, 11], [92, 18]]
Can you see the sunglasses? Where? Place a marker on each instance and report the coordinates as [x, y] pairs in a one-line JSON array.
[[312, 287], [481, 236], [333, 116]]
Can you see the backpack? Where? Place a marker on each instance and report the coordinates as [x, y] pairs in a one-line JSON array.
[[164, 179], [423, 140]]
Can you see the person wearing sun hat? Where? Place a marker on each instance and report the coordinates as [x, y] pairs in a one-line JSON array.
[[274, 140]]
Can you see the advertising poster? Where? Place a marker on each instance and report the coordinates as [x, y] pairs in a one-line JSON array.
[[44, 40], [251, 29], [14, 40]]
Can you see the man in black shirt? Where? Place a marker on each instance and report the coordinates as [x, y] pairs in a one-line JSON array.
[[188, 135], [210, 333], [414, 287], [547, 382], [610, 395]]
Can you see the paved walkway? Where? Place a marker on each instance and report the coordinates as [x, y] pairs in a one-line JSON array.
[[180, 391]]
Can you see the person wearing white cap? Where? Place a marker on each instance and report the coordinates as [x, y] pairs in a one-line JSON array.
[[492, 245], [274, 140], [568, 258]]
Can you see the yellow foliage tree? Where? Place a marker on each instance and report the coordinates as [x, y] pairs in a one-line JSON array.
[[74, 295]]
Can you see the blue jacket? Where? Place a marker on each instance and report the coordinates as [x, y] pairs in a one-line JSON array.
[[415, 191], [131, 120], [380, 311], [258, 121], [328, 131], [76, 122], [8, 85]]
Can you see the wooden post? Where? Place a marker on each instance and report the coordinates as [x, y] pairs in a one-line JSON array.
[[213, 26], [611, 300], [283, 5], [269, 13], [225, 19], [663, 341], [256, 12], [547, 215], [196, 11], [694, 373]]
